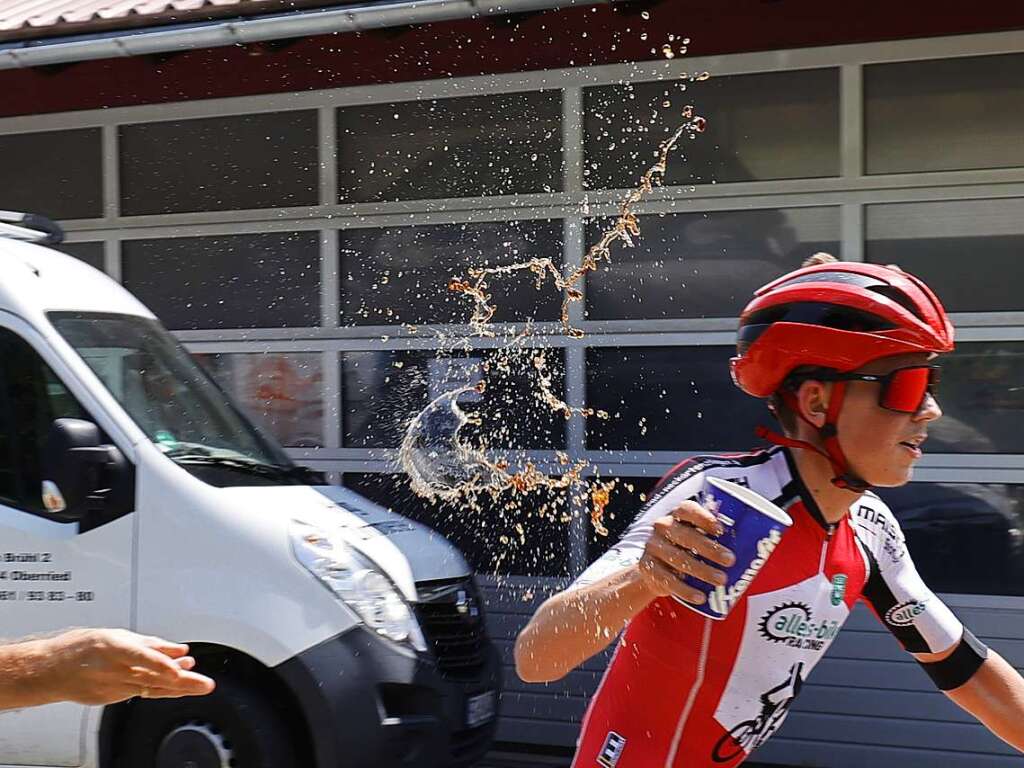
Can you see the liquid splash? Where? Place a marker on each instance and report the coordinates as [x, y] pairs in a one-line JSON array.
[[443, 462]]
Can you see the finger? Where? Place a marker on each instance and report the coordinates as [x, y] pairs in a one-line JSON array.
[[688, 537], [693, 513], [141, 678], [186, 662], [148, 661], [166, 647], [190, 685], [683, 562], [672, 583]]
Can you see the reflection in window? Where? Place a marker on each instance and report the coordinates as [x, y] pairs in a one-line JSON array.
[[525, 542], [958, 247], [281, 392], [779, 125], [705, 264], [219, 163], [440, 148], [31, 398], [923, 115], [628, 497], [90, 253], [232, 281], [982, 398], [401, 274], [964, 537], [668, 399], [55, 173], [383, 391]]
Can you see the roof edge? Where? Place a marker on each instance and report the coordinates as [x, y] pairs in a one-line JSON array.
[[20, 55]]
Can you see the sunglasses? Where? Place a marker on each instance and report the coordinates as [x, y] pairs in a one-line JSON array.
[[903, 390]]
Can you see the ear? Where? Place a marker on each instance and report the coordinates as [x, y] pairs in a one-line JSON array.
[[812, 399]]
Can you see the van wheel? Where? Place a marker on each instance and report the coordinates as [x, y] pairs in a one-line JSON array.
[[233, 727]]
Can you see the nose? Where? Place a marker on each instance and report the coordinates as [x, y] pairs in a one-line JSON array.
[[930, 410]]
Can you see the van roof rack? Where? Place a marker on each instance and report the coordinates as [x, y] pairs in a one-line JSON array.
[[30, 227]]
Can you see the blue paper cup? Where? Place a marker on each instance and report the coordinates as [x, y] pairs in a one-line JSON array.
[[753, 529]]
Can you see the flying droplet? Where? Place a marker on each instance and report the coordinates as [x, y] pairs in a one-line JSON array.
[[667, 51], [645, 16]]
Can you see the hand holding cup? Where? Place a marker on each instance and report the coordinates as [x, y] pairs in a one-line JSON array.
[[675, 549]]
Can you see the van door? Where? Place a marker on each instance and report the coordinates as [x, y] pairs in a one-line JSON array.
[[53, 574]]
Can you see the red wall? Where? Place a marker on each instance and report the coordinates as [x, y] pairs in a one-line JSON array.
[[571, 37]]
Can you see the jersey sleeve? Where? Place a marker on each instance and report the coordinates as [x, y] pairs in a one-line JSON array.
[[894, 590], [685, 482]]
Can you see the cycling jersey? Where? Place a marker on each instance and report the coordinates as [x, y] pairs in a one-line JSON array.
[[686, 691]]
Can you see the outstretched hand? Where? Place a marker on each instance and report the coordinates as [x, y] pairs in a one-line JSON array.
[[103, 666]]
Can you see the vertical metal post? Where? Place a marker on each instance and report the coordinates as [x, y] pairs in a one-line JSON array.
[[574, 233], [851, 143], [111, 174]]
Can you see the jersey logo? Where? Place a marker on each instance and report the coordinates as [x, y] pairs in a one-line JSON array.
[[610, 753], [722, 599], [750, 734], [903, 614], [838, 588], [793, 624]]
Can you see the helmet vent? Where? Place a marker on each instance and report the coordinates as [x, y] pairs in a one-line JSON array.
[[895, 294]]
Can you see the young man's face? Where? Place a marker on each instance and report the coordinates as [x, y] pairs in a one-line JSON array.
[[880, 444]]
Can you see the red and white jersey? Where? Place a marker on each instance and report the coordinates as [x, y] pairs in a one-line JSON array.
[[686, 691]]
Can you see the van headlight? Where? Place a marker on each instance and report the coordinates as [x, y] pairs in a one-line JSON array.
[[358, 582]]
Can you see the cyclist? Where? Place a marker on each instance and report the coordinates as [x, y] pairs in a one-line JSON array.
[[845, 354]]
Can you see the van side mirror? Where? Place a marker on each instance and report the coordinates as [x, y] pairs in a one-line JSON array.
[[79, 472]]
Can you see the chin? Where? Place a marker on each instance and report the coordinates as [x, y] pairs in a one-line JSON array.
[[891, 479]]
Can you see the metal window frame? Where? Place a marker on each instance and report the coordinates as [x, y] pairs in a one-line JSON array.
[[852, 191]]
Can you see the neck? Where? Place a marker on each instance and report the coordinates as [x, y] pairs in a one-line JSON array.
[[817, 473]]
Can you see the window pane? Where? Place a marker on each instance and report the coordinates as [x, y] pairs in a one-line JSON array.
[[230, 281], [56, 173], [220, 163], [948, 114], [489, 540], [668, 399], [964, 537], [779, 125], [401, 274], [281, 392], [383, 391], [90, 253], [439, 148], [627, 498], [705, 264], [982, 400], [31, 398], [968, 251]]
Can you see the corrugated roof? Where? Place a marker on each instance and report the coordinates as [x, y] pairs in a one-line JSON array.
[[45, 18]]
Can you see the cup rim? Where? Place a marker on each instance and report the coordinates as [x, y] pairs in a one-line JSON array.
[[755, 500]]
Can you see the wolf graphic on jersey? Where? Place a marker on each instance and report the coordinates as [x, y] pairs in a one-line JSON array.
[[686, 691]]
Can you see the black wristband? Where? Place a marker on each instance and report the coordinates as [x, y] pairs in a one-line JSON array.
[[960, 666]]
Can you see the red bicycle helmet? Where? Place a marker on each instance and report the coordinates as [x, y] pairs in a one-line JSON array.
[[840, 316]]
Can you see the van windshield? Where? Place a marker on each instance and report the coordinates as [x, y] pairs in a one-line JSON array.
[[167, 393]]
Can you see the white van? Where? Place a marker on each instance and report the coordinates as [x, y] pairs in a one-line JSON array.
[[133, 493]]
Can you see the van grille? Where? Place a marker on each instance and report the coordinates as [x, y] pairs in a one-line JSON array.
[[451, 616]]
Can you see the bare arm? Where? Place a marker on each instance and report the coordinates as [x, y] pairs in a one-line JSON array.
[[572, 626], [95, 666], [994, 695]]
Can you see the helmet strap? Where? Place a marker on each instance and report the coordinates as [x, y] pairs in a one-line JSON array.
[[844, 478]]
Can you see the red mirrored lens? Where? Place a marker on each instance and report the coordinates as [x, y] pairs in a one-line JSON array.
[[906, 389]]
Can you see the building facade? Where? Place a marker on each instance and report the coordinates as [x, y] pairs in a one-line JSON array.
[[298, 235]]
